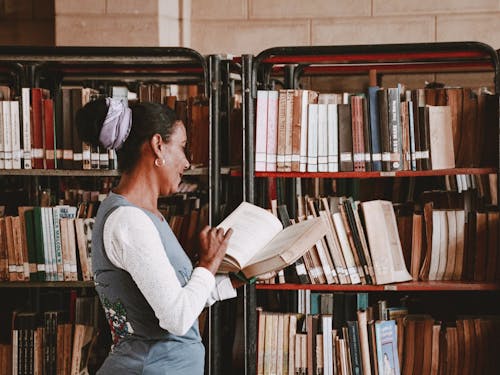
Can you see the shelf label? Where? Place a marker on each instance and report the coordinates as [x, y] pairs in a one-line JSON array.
[[390, 287], [387, 174]]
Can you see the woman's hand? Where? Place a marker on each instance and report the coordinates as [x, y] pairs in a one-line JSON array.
[[213, 246]]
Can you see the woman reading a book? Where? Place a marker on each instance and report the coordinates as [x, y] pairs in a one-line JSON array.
[[148, 288]]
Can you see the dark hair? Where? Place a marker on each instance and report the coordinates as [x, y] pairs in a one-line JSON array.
[[147, 119]]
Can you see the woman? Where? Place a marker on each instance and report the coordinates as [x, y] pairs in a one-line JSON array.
[[150, 293]]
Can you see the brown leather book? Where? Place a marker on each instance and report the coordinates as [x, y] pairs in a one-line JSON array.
[[417, 244], [198, 131], [454, 99], [345, 138], [424, 271], [427, 345], [405, 132], [37, 95], [436, 352], [4, 257], [358, 143], [492, 257], [481, 258], [385, 141], [466, 156], [489, 155]]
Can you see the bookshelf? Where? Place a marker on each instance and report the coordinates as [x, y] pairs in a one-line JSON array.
[[101, 68], [290, 67]]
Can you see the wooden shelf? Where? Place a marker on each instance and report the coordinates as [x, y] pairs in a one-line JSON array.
[[46, 284], [437, 172], [416, 286], [83, 172]]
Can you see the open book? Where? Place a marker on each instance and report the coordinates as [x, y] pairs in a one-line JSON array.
[[259, 244]]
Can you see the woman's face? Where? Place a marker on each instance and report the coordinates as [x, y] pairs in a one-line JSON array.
[[174, 153]]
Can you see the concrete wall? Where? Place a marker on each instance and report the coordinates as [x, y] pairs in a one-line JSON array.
[[250, 26], [27, 22], [106, 22]]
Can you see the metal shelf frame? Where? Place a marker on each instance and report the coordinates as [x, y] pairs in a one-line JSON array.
[[292, 63]]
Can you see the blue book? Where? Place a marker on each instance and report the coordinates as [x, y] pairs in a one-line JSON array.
[[374, 128], [386, 341]]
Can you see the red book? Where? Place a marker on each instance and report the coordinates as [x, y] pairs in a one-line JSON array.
[[49, 160], [37, 128]]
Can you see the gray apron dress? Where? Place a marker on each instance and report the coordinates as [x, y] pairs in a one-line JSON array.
[[140, 345]]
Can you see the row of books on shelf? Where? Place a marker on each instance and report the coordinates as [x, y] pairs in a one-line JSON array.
[[376, 242], [385, 129], [51, 342], [38, 131], [364, 343], [45, 244]]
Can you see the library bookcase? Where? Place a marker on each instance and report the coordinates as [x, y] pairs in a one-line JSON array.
[[101, 69], [328, 69]]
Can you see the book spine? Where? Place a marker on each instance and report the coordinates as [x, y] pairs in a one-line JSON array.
[[272, 130], [395, 129], [345, 138], [7, 134], [26, 111], [373, 109], [261, 131]]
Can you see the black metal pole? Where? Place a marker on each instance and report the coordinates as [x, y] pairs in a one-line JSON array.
[[215, 339], [250, 301]]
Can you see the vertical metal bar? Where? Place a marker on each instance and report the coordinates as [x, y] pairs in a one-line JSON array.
[[250, 315], [248, 128], [290, 183], [215, 339], [225, 136]]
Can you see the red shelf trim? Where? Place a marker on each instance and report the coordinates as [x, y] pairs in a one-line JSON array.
[[374, 57], [407, 286], [131, 69], [437, 172], [426, 67]]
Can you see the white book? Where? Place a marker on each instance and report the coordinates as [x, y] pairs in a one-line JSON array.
[[16, 134], [333, 138], [385, 245], [312, 138], [326, 323], [303, 132], [322, 138], [7, 134], [261, 131], [352, 269], [272, 130], [51, 242], [56, 219], [49, 271], [72, 245]]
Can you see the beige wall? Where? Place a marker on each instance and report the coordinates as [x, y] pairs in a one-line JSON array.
[[250, 26], [246, 26], [27, 22], [117, 22]]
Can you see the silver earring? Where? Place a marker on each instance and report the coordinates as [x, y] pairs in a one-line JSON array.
[[159, 162]]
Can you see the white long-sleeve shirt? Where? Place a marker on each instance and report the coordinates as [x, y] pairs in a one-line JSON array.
[[132, 243]]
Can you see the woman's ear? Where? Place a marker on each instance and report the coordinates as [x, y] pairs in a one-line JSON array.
[[156, 143]]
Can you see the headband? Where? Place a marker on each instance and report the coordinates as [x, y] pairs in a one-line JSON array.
[[117, 124]]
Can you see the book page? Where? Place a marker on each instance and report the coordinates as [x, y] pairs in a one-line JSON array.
[[288, 240], [253, 227]]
